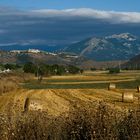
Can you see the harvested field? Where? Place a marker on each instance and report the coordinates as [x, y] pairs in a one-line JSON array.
[[55, 102], [69, 107], [57, 93]]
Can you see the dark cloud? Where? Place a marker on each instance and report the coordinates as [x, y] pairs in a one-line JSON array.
[[63, 26]]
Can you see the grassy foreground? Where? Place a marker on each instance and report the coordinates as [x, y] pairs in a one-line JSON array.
[[74, 107]]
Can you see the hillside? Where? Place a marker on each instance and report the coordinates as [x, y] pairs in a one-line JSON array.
[[115, 47], [21, 58], [133, 63], [59, 58]]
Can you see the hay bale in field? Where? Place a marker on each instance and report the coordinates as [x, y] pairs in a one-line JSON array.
[[138, 88], [112, 86], [127, 97], [33, 105]]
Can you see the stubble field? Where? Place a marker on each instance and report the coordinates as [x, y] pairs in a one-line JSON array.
[[70, 107], [57, 93]]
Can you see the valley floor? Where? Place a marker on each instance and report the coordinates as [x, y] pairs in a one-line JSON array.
[[57, 94]]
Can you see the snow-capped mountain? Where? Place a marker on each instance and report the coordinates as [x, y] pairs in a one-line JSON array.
[[115, 47], [125, 36]]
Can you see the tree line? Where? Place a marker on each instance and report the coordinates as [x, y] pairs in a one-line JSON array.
[[10, 66], [46, 70]]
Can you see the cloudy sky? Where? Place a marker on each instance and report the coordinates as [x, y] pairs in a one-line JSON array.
[[117, 5], [57, 22]]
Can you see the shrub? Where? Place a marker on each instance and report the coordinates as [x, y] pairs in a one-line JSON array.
[[114, 70], [29, 68], [93, 69], [12, 66], [73, 69]]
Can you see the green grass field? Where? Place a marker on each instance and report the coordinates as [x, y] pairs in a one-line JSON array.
[[124, 80]]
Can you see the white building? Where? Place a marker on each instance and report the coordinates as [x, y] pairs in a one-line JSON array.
[[54, 54], [33, 51], [15, 51]]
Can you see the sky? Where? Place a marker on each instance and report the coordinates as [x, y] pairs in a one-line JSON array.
[[60, 22], [109, 5]]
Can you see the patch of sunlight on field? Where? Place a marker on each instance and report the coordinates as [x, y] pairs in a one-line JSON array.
[[58, 101]]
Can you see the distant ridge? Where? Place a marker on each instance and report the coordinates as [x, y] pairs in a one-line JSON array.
[[133, 63], [109, 48], [37, 56]]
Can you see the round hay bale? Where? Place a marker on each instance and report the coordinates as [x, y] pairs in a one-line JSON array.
[[127, 97], [138, 88], [112, 86], [33, 105]]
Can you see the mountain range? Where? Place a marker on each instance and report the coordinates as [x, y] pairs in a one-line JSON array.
[[109, 48], [96, 52]]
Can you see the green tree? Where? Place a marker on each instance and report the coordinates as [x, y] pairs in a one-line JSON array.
[[73, 70], [114, 70], [29, 68]]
